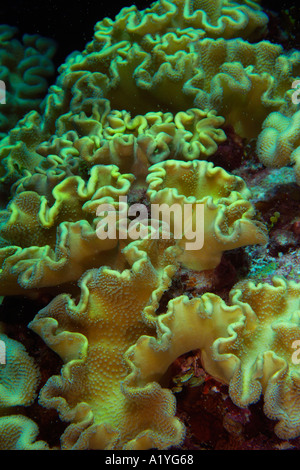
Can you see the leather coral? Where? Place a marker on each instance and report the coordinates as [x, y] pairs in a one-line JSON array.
[[247, 343], [92, 336], [137, 113], [226, 222]]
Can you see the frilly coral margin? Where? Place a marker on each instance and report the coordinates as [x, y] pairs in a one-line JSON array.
[[136, 115], [247, 344], [92, 337], [227, 213]]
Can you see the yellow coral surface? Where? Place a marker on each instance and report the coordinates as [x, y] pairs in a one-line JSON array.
[[278, 143], [225, 222], [137, 115], [25, 67], [91, 337], [247, 344]]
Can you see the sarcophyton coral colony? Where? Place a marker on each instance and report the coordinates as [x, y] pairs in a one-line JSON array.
[[138, 113]]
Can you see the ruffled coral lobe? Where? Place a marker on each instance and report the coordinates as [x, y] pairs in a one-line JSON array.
[[185, 107]]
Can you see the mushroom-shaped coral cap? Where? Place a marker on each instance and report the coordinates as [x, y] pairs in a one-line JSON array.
[[25, 67], [19, 376], [249, 344], [225, 221], [51, 238], [19, 380], [19, 433], [91, 337], [263, 351], [278, 143]]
